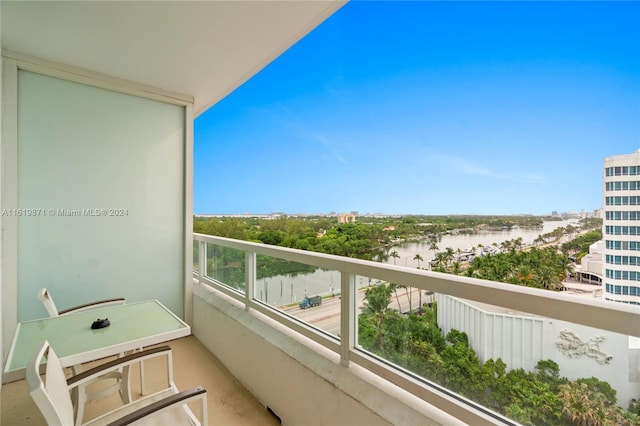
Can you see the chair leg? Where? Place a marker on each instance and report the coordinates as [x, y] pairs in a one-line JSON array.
[[78, 397], [142, 384], [125, 385], [142, 390]]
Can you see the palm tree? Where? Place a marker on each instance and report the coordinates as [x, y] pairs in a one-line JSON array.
[[449, 255], [376, 303], [381, 256], [566, 268], [434, 246], [548, 280], [407, 292], [419, 259], [394, 254], [583, 405], [440, 261], [430, 294], [518, 243], [394, 287], [525, 274], [498, 270]]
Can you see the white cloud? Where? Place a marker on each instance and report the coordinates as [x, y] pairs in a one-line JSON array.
[[467, 167], [307, 132], [330, 145], [535, 179]]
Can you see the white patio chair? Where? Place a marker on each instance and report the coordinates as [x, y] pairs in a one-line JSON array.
[[165, 407], [82, 395], [45, 297]]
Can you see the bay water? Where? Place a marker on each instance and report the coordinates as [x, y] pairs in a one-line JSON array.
[[283, 289]]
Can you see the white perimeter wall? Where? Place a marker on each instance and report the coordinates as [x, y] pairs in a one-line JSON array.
[[522, 341]]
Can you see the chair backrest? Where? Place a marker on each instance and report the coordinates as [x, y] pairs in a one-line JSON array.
[[45, 297], [52, 397]]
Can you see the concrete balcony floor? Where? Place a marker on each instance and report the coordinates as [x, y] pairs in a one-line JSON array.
[[229, 403]]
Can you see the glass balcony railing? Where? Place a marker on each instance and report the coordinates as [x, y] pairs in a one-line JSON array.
[[508, 352], [196, 256]]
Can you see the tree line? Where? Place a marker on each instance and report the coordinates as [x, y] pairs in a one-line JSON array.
[[540, 267], [540, 397], [368, 238]]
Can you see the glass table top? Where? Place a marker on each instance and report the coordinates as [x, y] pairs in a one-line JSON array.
[[132, 326]]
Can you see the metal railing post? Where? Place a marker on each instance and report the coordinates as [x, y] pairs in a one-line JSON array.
[[250, 273], [202, 252], [348, 318]]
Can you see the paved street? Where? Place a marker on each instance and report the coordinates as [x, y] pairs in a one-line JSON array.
[[327, 315]]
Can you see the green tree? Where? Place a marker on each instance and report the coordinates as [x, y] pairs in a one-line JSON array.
[[376, 304], [449, 255], [585, 405], [547, 279], [525, 274], [433, 246], [419, 259], [394, 287], [461, 365]]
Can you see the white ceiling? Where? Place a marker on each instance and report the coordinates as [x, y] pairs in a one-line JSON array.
[[204, 49]]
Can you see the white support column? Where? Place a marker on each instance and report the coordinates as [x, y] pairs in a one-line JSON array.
[[9, 200], [348, 320], [250, 272], [188, 214]]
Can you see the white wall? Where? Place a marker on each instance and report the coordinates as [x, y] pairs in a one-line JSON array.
[[1, 205], [114, 155], [301, 381], [616, 372], [103, 174], [518, 340], [522, 341], [634, 366]]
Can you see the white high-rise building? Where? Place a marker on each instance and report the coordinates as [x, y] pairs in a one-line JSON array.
[[621, 228]]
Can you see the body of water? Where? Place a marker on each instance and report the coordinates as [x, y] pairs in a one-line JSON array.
[[283, 289], [408, 250]]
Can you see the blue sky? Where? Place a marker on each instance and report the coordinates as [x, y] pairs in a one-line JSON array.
[[430, 108]]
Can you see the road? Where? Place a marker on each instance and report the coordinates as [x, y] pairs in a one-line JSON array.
[[327, 315]]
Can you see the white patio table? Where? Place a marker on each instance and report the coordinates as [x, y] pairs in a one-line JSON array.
[[132, 326]]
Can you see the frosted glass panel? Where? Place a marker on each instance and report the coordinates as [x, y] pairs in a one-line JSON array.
[[101, 193]]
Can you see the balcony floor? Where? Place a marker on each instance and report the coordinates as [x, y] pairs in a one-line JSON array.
[[229, 403]]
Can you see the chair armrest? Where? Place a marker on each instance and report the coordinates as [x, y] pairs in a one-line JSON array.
[[116, 364], [165, 403], [93, 305]]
